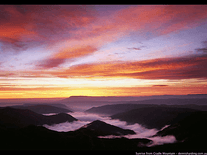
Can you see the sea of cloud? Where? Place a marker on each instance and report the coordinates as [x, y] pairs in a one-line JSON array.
[[85, 118]]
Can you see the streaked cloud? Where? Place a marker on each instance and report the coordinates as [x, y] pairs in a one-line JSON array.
[[30, 25], [66, 54], [101, 43], [160, 85], [134, 48], [162, 19], [163, 68]]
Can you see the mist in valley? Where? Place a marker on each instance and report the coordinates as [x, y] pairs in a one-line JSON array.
[[86, 118], [163, 121]]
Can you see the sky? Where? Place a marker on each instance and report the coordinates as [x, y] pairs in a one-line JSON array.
[[50, 51]]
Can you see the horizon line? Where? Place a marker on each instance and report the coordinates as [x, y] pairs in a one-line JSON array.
[[95, 96]]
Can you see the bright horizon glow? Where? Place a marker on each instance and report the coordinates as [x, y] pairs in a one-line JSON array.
[[57, 51]]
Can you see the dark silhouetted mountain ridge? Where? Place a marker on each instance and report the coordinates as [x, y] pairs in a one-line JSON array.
[[188, 127], [111, 109], [11, 117], [40, 138], [106, 129], [154, 117], [117, 108], [43, 108], [190, 133]]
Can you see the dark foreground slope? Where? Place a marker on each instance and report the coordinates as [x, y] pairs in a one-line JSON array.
[[190, 133], [41, 138], [191, 127], [154, 117], [43, 108], [13, 118]]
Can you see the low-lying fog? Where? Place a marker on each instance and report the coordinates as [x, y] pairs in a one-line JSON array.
[[85, 118]]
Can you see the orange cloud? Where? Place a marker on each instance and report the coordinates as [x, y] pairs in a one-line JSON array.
[[162, 68], [4, 88], [69, 53], [65, 54], [148, 91], [10, 33]]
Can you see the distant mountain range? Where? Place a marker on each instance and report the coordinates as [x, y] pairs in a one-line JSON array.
[[44, 108], [82, 103], [155, 115], [197, 104], [136, 98], [117, 108]]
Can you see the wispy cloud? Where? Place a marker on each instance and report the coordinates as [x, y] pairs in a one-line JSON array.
[[159, 85], [50, 63], [134, 48], [26, 26], [66, 54], [39, 24], [161, 19], [162, 68]]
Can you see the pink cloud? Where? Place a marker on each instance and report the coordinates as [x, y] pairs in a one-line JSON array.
[[62, 56], [49, 24], [39, 24], [162, 19]]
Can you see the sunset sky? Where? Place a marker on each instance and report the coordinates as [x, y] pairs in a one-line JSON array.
[[49, 51]]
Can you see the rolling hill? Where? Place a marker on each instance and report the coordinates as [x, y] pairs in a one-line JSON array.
[[154, 117], [190, 133], [106, 129], [40, 138], [117, 108], [19, 130], [111, 109], [13, 118], [43, 108], [188, 127]]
